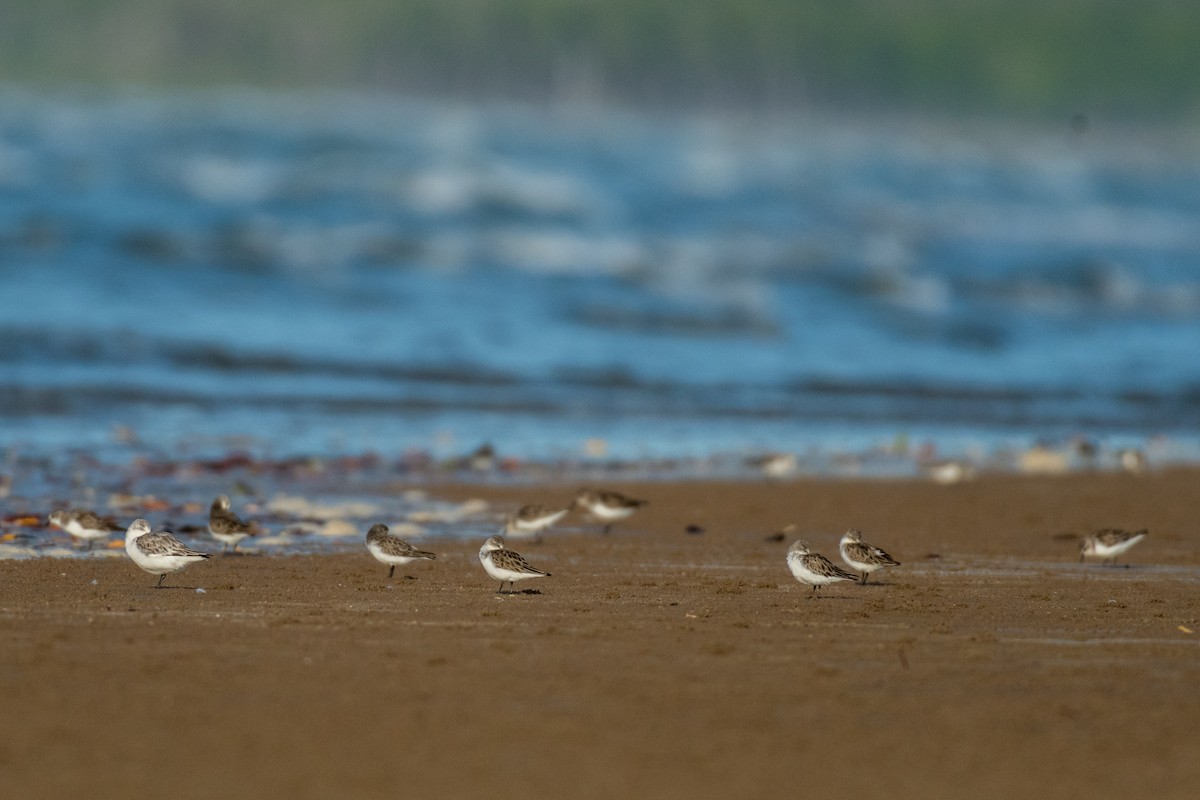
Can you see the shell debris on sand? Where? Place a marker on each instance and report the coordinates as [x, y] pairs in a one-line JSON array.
[[303, 508], [455, 513], [8, 551], [135, 503], [338, 527], [1043, 460]]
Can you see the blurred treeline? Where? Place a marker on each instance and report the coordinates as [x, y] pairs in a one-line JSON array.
[[1030, 57]]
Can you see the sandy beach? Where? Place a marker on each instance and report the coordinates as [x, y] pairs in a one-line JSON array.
[[654, 663]]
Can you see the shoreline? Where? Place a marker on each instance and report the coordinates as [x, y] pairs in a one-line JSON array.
[[653, 662]]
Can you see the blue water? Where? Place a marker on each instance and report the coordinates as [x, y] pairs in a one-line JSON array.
[[293, 274]]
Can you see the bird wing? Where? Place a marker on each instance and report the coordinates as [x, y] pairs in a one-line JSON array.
[[395, 546], [90, 520], [618, 500], [881, 557], [228, 522], [1114, 536], [857, 551], [164, 544], [820, 565], [515, 562]]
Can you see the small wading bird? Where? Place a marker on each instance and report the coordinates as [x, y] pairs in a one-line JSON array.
[[392, 550], [529, 521], [814, 569], [948, 472], [774, 465], [1109, 543], [158, 553], [226, 526], [608, 507], [84, 524], [863, 557], [506, 565]]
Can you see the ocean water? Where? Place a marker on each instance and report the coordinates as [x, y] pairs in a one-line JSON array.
[[288, 274]]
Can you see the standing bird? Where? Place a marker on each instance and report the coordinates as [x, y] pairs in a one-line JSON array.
[[1132, 460], [814, 569], [1109, 543], [948, 472], [392, 550], [529, 521], [226, 526], [608, 507], [158, 553], [506, 565], [774, 465], [84, 524], [863, 557]]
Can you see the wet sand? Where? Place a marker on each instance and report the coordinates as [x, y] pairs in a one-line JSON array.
[[654, 663]]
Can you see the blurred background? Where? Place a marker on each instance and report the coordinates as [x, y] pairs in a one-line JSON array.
[[630, 229]]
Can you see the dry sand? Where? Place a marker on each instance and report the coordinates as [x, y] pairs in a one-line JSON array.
[[653, 663]]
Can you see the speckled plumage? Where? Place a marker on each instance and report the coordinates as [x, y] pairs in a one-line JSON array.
[[1109, 543], [863, 557], [226, 526], [158, 553], [606, 506], [531, 520], [392, 550], [504, 565], [814, 569], [83, 524]]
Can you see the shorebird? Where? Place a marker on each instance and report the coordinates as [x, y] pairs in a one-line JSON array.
[[503, 564], [813, 568], [531, 520], [483, 459], [608, 507], [1132, 460], [84, 524], [783, 534], [863, 557], [948, 472], [1109, 543], [392, 550], [774, 465], [158, 553], [226, 526]]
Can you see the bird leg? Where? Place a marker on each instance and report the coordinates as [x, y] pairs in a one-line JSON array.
[[160, 580], [391, 572]]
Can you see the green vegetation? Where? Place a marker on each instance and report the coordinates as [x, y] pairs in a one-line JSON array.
[[1005, 56]]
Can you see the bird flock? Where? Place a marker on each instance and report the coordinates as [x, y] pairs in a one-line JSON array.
[[161, 553]]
